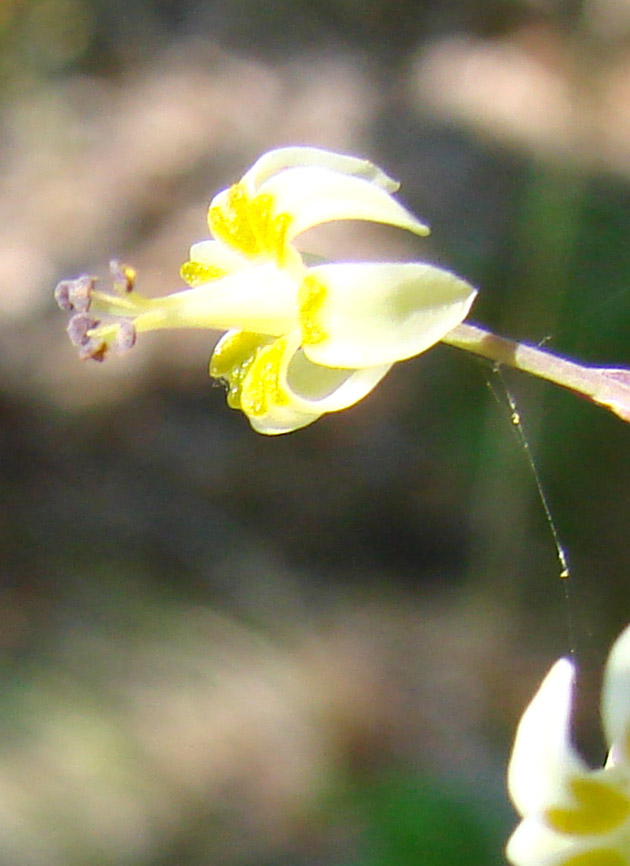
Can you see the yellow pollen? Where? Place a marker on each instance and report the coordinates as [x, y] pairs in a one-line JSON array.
[[311, 299], [249, 225], [196, 273], [599, 809]]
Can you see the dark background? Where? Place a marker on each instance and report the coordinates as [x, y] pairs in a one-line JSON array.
[[221, 648]]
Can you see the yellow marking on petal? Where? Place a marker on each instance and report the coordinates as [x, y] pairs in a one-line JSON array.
[[597, 857], [311, 299], [249, 226], [600, 808], [232, 360], [196, 273], [262, 387]]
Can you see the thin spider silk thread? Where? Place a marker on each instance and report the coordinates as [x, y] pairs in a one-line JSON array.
[[507, 401]]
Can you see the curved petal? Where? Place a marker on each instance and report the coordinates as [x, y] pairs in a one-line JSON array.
[[261, 298], [275, 161], [211, 260], [278, 388], [616, 699], [543, 759], [329, 389], [313, 195], [532, 844], [359, 315], [214, 253]]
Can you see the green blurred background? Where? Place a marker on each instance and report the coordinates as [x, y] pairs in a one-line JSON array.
[[311, 650]]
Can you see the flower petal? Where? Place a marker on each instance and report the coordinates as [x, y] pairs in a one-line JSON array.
[[278, 388], [616, 699], [210, 260], [216, 254], [533, 844], [598, 807], [275, 161], [543, 759], [359, 315], [313, 195], [261, 298]]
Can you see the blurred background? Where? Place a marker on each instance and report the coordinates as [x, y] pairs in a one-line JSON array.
[[310, 650]]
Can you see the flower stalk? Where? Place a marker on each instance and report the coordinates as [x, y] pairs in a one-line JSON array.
[[606, 386]]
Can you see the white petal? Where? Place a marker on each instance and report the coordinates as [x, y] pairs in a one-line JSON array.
[[283, 391], [317, 195], [533, 844], [275, 161], [329, 389], [543, 758], [218, 255], [616, 699], [313, 391], [261, 298], [359, 315]]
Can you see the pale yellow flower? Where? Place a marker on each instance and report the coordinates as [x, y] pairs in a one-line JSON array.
[[301, 339], [572, 815]]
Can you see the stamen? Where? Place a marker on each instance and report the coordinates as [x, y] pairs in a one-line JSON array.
[[113, 325], [75, 294], [126, 336], [90, 345], [124, 276]]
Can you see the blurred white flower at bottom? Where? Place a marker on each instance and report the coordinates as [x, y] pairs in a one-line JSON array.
[[572, 815]]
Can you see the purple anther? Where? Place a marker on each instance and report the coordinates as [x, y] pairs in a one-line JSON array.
[[81, 332], [79, 327], [126, 336], [62, 295], [93, 350], [75, 294], [124, 276]]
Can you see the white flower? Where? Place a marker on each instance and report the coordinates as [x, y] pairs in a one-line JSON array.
[[301, 340], [572, 815]]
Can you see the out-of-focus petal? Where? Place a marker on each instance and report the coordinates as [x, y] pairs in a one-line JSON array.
[[360, 315], [313, 195], [616, 699], [532, 844], [543, 758], [276, 161]]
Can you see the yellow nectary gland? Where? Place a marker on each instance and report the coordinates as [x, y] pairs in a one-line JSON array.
[[249, 226], [311, 299], [599, 809], [196, 273], [233, 359], [262, 386]]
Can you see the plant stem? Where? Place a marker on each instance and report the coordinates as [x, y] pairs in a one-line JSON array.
[[609, 387]]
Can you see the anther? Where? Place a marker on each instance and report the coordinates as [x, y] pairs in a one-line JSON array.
[[89, 345], [124, 276], [75, 294], [126, 336], [79, 327]]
